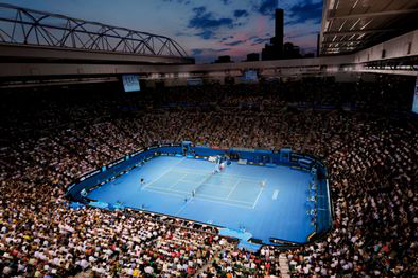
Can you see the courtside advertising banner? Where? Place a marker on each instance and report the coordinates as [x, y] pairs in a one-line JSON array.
[[415, 101]]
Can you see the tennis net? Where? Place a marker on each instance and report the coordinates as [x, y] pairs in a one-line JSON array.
[[198, 188]]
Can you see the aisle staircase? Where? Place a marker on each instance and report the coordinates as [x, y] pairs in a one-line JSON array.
[[202, 269], [84, 274], [284, 266]]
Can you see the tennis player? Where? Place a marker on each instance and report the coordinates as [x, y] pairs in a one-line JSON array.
[[141, 183], [84, 192]]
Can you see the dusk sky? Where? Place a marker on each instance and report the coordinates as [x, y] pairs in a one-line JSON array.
[[205, 29]]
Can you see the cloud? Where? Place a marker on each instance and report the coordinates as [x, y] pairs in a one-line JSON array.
[[205, 20], [196, 51], [235, 43], [225, 38], [209, 52], [299, 35], [267, 7], [241, 13], [208, 55], [258, 41], [183, 34], [207, 35], [185, 2], [220, 50], [302, 12]]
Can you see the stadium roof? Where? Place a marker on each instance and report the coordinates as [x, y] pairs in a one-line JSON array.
[[351, 25]]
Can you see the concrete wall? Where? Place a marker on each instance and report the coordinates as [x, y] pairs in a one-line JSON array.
[[65, 55], [394, 48], [13, 69], [117, 64]]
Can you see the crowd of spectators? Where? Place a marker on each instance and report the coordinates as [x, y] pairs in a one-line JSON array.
[[359, 130]]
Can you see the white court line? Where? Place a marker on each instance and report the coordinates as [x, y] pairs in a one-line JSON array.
[[183, 207], [164, 173], [217, 186], [205, 174], [245, 205], [239, 176], [258, 197], [214, 175], [227, 203], [233, 188], [177, 182], [172, 192], [209, 198], [190, 172], [163, 190], [275, 194], [223, 200], [223, 175], [209, 185], [202, 196], [216, 201]]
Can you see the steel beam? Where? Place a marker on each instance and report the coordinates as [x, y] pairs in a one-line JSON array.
[[39, 54], [346, 33], [31, 27], [331, 14], [344, 41]]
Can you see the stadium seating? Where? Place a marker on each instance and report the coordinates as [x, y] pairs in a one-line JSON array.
[[360, 130]]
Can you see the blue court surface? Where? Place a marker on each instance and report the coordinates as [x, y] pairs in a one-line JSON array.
[[233, 198]]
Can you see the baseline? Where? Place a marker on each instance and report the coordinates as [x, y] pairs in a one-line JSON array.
[[164, 173], [233, 188], [258, 197]]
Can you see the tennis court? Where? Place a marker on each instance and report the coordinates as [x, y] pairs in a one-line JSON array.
[[233, 198], [220, 187]]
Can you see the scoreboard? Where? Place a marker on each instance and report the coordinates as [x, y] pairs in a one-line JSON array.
[[131, 83], [250, 75]]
